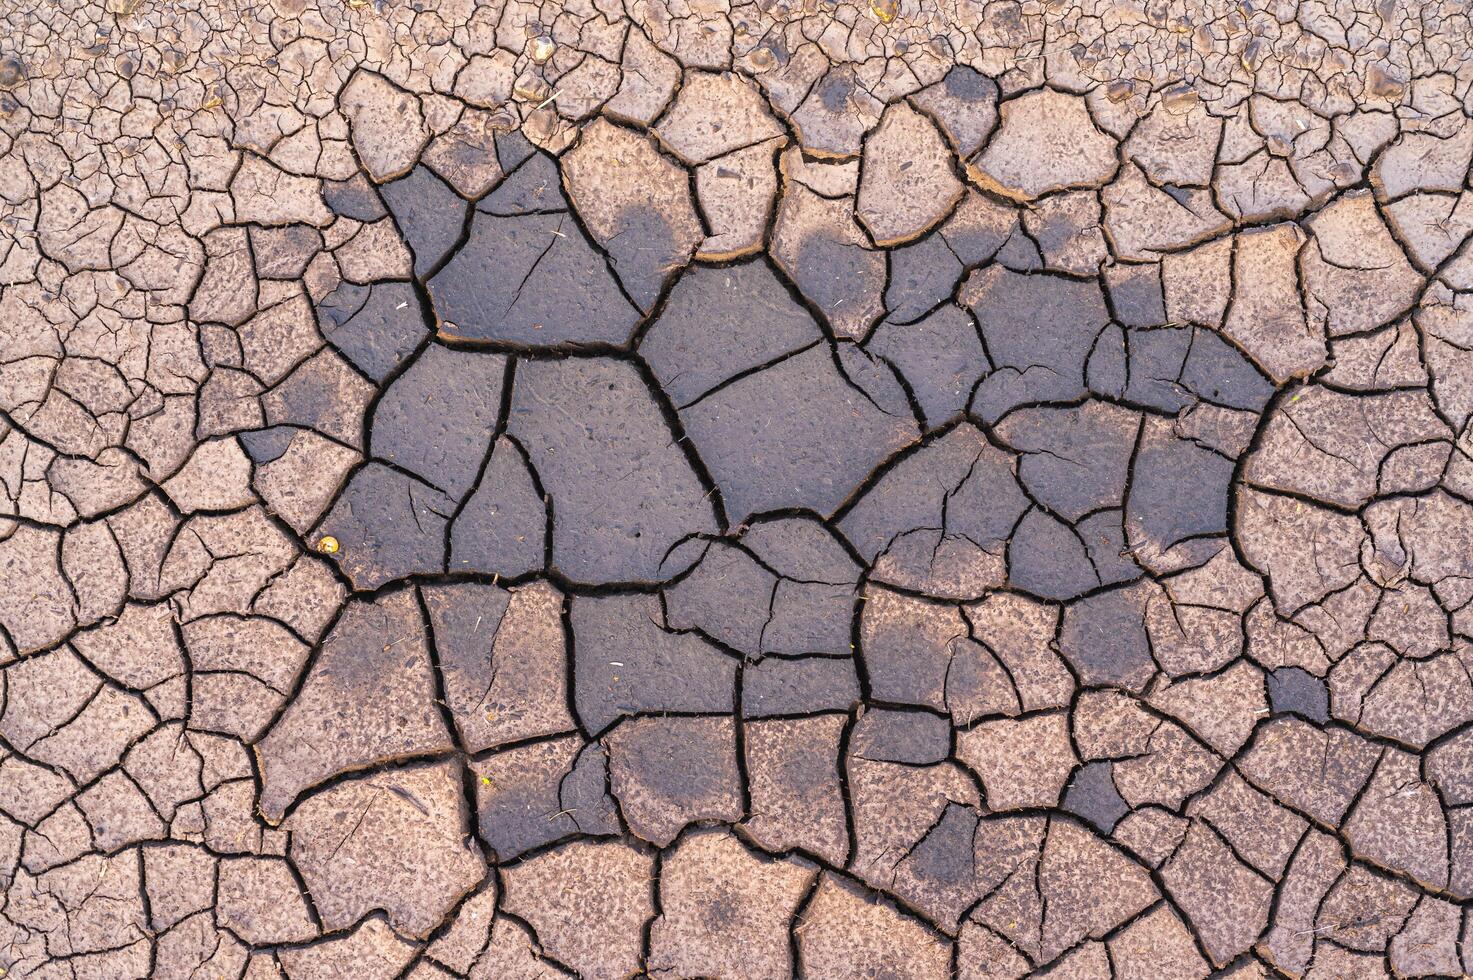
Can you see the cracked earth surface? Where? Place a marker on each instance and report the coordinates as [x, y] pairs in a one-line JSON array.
[[702, 488]]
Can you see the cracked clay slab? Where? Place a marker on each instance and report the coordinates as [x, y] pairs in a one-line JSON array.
[[700, 489]]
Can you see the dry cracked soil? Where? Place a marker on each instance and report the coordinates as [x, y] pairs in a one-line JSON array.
[[713, 488]]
